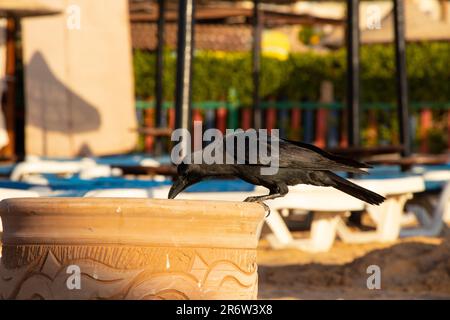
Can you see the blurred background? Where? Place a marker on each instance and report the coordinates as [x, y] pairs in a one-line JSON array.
[[91, 91], [85, 77]]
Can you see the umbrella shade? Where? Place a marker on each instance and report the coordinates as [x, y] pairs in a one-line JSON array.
[[25, 8]]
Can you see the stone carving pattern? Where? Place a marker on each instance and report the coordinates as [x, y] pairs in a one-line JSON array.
[[126, 272]]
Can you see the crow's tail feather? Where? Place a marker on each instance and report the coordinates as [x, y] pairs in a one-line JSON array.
[[341, 163], [354, 190]]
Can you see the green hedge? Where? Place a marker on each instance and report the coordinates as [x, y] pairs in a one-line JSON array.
[[299, 77]]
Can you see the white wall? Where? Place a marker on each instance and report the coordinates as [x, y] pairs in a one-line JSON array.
[[79, 82]]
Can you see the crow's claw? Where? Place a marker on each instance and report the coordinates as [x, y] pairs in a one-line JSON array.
[[266, 208], [252, 199], [260, 201]]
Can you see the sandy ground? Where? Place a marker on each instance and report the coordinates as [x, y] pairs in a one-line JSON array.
[[414, 268]]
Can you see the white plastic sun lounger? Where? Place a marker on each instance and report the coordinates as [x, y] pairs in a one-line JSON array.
[[162, 192], [388, 215], [87, 168], [432, 226], [328, 205], [119, 193]]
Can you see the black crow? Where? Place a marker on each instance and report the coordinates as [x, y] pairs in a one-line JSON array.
[[297, 163]]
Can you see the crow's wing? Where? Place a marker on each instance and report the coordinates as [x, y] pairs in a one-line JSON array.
[[291, 154], [295, 154]]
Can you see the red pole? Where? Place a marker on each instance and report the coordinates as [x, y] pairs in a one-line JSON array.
[[321, 127], [246, 118], [221, 119], [296, 120], [373, 129], [426, 122], [271, 119], [197, 115], [172, 118]]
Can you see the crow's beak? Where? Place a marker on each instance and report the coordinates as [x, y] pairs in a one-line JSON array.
[[179, 185]]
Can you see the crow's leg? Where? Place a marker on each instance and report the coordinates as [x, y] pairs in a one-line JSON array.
[[275, 192]]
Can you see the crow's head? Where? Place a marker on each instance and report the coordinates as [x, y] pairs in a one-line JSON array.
[[188, 174]]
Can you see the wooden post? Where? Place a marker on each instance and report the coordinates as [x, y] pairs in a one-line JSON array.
[[271, 117], [197, 115], [221, 119], [271, 120], [326, 96], [426, 122], [196, 137], [373, 128], [296, 120], [321, 127], [172, 118], [10, 104], [246, 120]]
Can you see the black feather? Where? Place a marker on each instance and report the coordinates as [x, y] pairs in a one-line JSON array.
[[341, 160], [354, 190]]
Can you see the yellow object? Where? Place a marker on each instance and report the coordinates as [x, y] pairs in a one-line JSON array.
[[314, 40], [275, 44]]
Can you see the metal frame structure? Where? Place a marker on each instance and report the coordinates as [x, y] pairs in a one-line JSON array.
[[159, 94], [353, 83], [401, 77], [185, 56], [353, 73]]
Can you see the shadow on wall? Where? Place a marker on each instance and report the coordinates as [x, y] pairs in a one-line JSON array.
[[53, 107]]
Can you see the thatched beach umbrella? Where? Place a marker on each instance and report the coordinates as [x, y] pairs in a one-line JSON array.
[[25, 8]]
